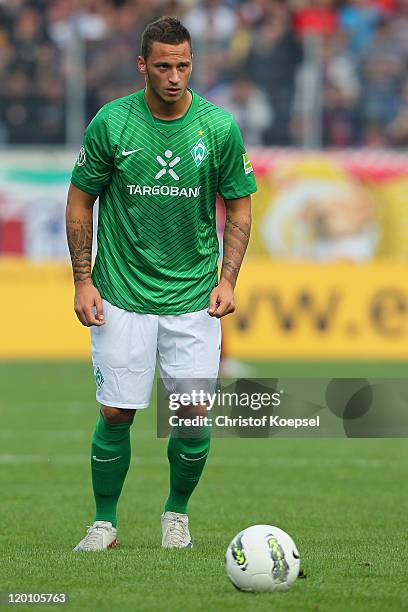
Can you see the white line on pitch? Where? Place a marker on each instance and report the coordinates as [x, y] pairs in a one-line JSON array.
[[288, 463]]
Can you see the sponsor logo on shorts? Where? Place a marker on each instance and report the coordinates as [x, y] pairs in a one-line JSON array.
[[99, 379]]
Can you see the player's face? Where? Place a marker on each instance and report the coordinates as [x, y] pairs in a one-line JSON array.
[[167, 70]]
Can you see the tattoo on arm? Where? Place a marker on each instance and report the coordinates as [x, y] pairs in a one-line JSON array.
[[236, 237], [79, 235]]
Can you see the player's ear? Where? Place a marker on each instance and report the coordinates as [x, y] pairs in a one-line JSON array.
[[141, 64]]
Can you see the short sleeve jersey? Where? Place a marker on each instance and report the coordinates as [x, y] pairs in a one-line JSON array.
[[157, 183]]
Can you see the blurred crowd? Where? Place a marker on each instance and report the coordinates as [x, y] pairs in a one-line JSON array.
[[270, 62]]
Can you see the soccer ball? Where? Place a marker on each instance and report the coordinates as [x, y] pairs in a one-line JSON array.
[[262, 558]]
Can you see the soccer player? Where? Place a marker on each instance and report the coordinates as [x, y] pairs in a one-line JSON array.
[[156, 159]]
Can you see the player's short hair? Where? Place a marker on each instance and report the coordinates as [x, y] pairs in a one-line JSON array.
[[168, 30]]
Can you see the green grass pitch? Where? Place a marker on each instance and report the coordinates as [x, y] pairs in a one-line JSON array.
[[343, 501]]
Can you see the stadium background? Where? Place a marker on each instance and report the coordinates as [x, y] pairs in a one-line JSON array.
[[320, 91]]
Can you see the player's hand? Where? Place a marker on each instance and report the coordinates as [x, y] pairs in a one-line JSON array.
[[221, 300], [87, 299]]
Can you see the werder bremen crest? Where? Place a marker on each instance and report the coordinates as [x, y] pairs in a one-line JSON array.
[[199, 152], [99, 379]]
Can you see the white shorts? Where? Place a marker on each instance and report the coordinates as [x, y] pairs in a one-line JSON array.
[[126, 350]]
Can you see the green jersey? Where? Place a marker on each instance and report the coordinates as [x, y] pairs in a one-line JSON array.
[[157, 183]]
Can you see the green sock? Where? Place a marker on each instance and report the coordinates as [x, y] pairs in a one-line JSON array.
[[187, 457], [110, 460]]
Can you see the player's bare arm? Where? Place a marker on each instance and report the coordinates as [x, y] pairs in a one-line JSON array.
[[79, 226], [236, 237]]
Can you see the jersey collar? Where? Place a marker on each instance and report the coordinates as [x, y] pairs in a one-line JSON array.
[[184, 120]]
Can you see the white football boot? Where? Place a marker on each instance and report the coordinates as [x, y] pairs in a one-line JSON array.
[[100, 536], [175, 530]]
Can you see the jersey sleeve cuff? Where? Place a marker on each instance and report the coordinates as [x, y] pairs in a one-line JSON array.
[[235, 195], [85, 187]]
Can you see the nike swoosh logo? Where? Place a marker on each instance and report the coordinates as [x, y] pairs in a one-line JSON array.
[[105, 460], [125, 153], [190, 459]]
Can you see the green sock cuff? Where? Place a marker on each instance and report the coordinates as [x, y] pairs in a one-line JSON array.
[[111, 431], [191, 433], [188, 446]]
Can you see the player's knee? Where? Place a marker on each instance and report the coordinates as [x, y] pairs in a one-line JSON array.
[[117, 415], [192, 410]]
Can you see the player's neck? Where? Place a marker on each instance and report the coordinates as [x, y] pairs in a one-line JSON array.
[[162, 110]]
